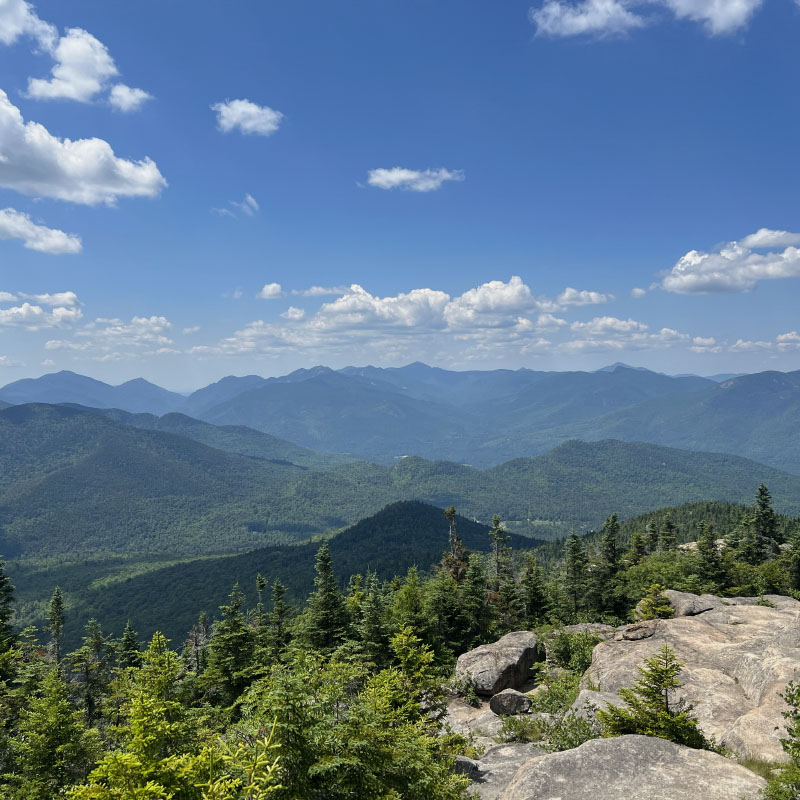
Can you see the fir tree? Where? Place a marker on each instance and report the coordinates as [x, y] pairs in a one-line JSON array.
[[476, 613], [90, 666], [371, 627], [456, 558], [669, 538], [129, 654], [655, 604], [498, 536], [765, 520], [651, 710], [605, 584], [275, 637], [56, 617], [709, 561], [195, 649], [638, 549], [326, 620], [230, 651], [652, 537], [6, 610], [575, 572], [535, 597]]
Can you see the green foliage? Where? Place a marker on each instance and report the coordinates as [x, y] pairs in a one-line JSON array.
[[568, 731], [655, 604], [521, 728], [572, 651], [651, 710]]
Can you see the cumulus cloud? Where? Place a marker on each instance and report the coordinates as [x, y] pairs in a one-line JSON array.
[[192, 329], [493, 303], [592, 17], [735, 267], [414, 180], [34, 317], [600, 326], [637, 292], [7, 297], [293, 313], [112, 339], [270, 291], [17, 225], [68, 299], [36, 163], [602, 18], [321, 291], [83, 67], [17, 19], [573, 297], [126, 99], [247, 117]]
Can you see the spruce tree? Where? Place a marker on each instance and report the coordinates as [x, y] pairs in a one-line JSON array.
[[575, 572], [651, 710], [371, 627], [669, 537], [275, 636], [195, 649], [326, 620], [499, 538], [638, 549], [90, 666], [605, 583], [476, 613], [6, 610], [765, 520], [230, 652], [652, 537], [129, 653], [535, 597], [709, 560], [56, 617], [456, 556]]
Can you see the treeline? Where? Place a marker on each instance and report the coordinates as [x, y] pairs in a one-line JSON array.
[[342, 697]]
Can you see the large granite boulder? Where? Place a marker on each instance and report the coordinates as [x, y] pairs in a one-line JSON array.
[[510, 701], [504, 664], [634, 768], [498, 765], [738, 657]]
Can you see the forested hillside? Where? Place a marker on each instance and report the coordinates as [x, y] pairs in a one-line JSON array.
[[76, 483]]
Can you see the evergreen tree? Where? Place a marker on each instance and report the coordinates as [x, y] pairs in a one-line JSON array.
[[90, 666], [709, 560], [639, 548], [535, 597], [56, 617], [765, 520], [261, 584], [443, 610], [6, 610], [326, 620], [129, 654], [455, 559], [655, 604], [651, 710], [230, 652], [371, 627], [476, 614], [195, 651], [652, 538], [669, 537], [499, 538], [275, 636], [52, 747], [408, 607], [605, 583], [575, 572]]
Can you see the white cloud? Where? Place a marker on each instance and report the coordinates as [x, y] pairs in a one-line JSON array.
[[248, 206], [592, 17], [5, 361], [17, 18], [412, 179], [67, 299], [34, 317], [600, 18], [548, 321], [270, 291], [48, 362], [192, 329], [637, 292], [718, 16], [247, 117], [705, 344], [126, 99], [293, 313], [735, 267], [34, 162], [602, 326], [7, 297], [82, 69], [17, 225], [573, 297], [321, 291], [113, 339], [491, 304]]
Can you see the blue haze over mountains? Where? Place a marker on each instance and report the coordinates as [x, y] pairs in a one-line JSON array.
[[478, 417]]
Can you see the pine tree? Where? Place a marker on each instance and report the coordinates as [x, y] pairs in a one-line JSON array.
[[456, 557], [326, 620], [129, 654], [230, 651], [669, 538], [651, 710], [575, 572], [56, 617]]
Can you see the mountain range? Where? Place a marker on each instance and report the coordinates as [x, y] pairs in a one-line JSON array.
[[481, 418]]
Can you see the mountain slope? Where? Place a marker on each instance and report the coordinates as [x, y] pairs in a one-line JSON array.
[[68, 387], [399, 536]]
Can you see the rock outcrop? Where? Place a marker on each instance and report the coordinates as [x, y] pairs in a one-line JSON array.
[[504, 664], [510, 701], [738, 656], [634, 768], [498, 766]]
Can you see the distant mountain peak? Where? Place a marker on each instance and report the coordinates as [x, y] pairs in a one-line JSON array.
[[620, 365]]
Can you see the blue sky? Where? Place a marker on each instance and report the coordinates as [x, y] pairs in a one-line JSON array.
[[475, 185]]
